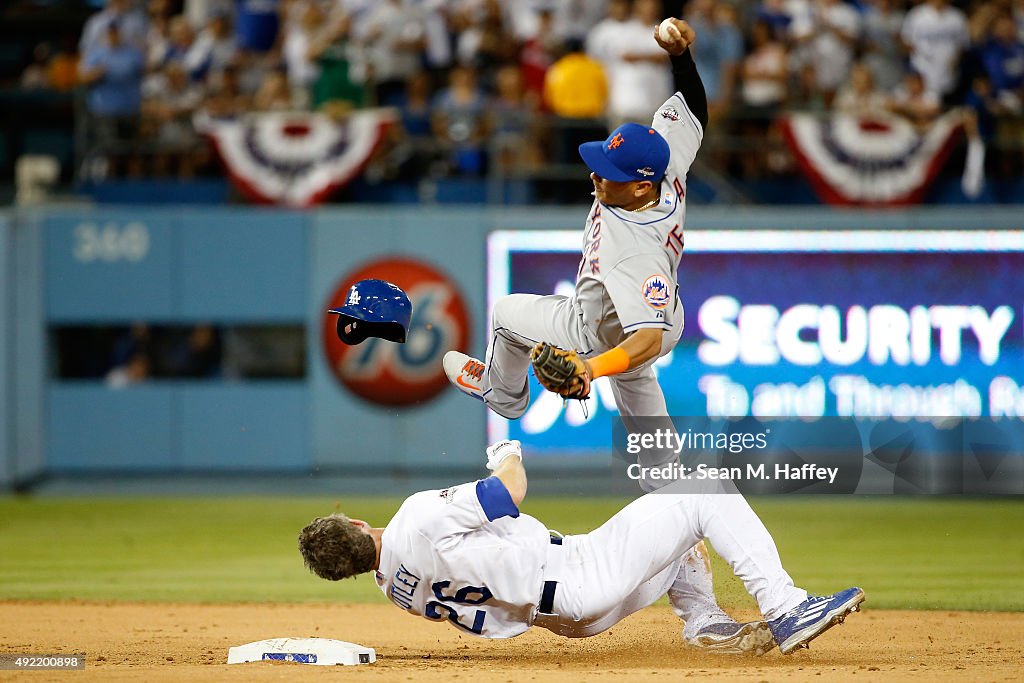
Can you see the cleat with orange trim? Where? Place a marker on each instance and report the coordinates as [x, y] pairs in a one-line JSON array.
[[465, 372]]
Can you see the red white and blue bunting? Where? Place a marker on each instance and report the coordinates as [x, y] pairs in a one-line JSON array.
[[853, 160], [295, 158]]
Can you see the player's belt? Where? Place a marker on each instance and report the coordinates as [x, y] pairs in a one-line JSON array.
[[547, 598], [547, 595]]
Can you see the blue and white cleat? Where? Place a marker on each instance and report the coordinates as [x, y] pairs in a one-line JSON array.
[[812, 617], [733, 638], [465, 372]]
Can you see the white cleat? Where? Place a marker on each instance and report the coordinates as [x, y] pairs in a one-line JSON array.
[[465, 372]]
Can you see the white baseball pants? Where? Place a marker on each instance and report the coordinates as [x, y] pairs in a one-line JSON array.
[[635, 558]]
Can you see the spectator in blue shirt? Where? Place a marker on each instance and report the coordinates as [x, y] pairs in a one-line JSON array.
[[774, 14], [986, 109], [460, 121], [256, 24], [113, 70], [1003, 59], [131, 20], [719, 53]]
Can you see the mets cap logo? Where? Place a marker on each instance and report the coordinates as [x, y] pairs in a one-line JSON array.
[[656, 292], [616, 141]]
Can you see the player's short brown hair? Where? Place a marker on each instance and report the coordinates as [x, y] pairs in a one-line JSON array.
[[334, 549]]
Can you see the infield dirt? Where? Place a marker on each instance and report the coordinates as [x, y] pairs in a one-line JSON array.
[[180, 642]]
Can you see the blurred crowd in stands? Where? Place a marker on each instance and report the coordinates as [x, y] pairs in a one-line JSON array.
[[484, 84], [126, 355]]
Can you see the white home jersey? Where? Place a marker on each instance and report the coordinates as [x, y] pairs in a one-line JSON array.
[[466, 555], [627, 276]]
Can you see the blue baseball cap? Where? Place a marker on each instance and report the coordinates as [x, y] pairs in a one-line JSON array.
[[631, 152]]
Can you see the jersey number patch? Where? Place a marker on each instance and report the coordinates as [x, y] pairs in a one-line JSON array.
[[467, 595]]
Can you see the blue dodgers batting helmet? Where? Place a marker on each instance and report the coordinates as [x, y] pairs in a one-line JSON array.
[[374, 308]]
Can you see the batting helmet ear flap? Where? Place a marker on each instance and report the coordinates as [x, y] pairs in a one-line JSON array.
[[353, 331], [350, 331], [374, 308]]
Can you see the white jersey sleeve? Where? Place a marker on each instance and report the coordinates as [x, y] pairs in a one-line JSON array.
[[460, 509]]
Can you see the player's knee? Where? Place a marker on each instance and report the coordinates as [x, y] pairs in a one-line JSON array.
[[518, 410], [608, 603], [502, 311], [512, 410]]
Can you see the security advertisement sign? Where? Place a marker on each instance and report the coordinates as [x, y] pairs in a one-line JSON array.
[[898, 326]]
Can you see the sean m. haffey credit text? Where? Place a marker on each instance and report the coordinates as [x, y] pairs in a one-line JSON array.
[[665, 440]]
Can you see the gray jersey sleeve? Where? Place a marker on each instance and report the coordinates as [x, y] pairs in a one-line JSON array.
[[683, 132], [640, 293]]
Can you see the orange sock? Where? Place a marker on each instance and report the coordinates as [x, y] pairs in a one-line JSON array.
[[609, 363]]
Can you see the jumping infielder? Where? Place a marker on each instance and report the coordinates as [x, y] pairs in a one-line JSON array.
[[626, 312], [466, 555]]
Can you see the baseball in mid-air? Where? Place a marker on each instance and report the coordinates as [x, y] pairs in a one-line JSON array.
[[668, 32]]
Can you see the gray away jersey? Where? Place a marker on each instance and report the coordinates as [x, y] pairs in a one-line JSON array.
[[465, 555], [627, 277]]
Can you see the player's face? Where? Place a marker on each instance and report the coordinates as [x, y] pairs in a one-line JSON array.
[[613, 193]]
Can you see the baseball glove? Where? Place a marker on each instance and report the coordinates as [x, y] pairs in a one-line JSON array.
[[561, 371]]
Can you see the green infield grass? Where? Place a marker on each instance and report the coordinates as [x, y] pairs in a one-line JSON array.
[[906, 553]]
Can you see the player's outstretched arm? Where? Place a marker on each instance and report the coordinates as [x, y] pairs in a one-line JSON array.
[[684, 71], [505, 460], [642, 345]]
